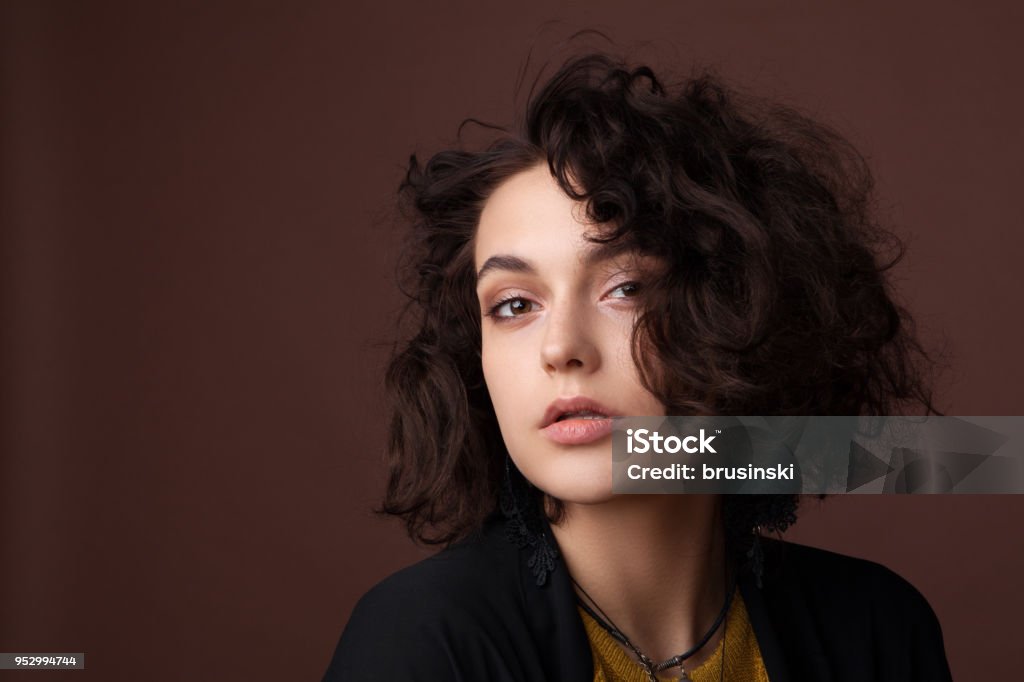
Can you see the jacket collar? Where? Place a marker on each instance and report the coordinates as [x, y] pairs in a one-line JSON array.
[[764, 631]]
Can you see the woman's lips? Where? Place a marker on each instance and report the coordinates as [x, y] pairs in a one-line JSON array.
[[578, 431]]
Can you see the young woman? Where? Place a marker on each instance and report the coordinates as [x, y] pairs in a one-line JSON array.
[[633, 251]]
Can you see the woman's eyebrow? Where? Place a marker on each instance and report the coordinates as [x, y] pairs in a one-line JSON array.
[[507, 263], [603, 253], [510, 263]]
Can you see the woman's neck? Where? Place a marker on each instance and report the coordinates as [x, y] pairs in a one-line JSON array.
[[655, 565]]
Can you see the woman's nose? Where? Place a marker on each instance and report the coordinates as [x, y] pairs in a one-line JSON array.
[[568, 342]]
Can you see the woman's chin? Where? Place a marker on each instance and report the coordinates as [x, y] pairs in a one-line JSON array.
[[580, 475], [581, 490]]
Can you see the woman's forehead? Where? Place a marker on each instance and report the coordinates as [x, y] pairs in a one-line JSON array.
[[529, 220]]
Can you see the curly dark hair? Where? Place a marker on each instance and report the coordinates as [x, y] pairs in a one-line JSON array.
[[775, 300]]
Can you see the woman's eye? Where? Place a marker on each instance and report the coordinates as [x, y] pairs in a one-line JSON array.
[[627, 290], [512, 307]]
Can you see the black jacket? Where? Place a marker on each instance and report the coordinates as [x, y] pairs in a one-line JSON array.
[[474, 613]]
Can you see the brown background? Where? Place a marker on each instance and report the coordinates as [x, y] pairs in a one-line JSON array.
[[195, 286]]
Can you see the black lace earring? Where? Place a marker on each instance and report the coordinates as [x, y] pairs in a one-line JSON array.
[[523, 526], [756, 555]]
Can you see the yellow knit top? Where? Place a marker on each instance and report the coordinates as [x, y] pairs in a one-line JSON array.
[[743, 662]]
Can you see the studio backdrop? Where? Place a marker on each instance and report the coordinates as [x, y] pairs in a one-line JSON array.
[[197, 294]]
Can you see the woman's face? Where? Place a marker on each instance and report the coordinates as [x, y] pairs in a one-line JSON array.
[[557, 316]]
